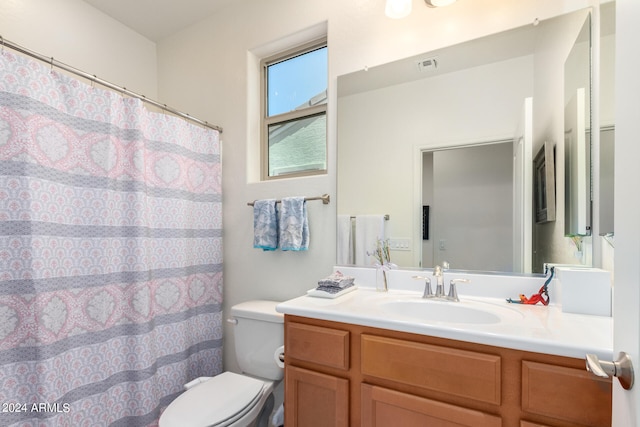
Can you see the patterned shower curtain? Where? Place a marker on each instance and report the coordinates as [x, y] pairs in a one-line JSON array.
[[110, 252]]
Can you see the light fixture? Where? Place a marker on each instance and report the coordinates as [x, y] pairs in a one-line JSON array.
[[439, 3], [397, 9]]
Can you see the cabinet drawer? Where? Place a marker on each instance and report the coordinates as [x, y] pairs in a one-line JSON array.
[[316, 344], [383, 407], [315, 399], [567, 394], [459, 373]]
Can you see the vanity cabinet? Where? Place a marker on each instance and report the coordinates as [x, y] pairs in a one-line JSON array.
[[386, 407], [317, 396], [339, 374], [316, 399]]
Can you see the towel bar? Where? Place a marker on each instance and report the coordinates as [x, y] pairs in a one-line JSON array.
[[325, 199], [386, 217]]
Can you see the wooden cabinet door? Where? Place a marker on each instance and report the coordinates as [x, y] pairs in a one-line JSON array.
[[321, 346], [383, 407], [567, 394], [446, 370], [530, 424], [315, 400]]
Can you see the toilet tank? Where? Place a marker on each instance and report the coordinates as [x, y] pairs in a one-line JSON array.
[[258, 332]]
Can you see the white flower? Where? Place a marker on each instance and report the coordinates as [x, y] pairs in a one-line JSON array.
[[167, 169], [101, 307], [196, 290], [104, 154], [54, 314], [167, 295], [52, 143]]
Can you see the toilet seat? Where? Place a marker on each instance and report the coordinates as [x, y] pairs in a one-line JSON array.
[[219, 401]]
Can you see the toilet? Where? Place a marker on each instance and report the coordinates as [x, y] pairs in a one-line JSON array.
[[230, 399]]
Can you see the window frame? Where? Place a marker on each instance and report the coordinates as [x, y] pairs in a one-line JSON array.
[[307, 112]]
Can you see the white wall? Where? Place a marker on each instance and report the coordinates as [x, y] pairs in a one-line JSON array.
[[427, 199], [382, 132], [472, 212], [205, 70], [78, 35], [607, 80]]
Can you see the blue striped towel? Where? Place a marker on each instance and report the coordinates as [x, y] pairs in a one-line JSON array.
[[294, 225], [265, 225]]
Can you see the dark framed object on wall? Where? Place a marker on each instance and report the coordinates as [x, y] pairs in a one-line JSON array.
[[544, 184], [425, 222]]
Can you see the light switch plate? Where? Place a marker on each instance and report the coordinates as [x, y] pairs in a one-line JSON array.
[[400, 244]]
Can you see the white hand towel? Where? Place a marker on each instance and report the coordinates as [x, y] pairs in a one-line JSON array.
[[369, 228], [344, 239]]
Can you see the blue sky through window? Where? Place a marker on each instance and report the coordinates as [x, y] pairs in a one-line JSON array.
[[294, 81]]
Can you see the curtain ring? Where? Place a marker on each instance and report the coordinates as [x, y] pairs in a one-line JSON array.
[[2, 41], [51, 63]]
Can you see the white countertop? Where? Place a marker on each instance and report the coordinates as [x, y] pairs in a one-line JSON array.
[[537, 328]]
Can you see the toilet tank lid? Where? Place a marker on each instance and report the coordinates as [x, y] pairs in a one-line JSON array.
[[258, 310]]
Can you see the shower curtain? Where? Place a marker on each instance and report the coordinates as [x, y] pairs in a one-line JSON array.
[[110, 252]]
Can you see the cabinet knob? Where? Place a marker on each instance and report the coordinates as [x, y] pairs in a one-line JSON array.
[[622, 369]]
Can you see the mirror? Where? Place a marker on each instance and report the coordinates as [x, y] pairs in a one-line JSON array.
[[475, 94], [607, 117], [577, 136]]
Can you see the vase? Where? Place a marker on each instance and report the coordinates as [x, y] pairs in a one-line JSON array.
[[382, 279]]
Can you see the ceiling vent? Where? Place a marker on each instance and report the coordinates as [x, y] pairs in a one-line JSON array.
[[427, 64]]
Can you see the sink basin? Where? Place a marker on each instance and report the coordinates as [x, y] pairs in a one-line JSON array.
[[447, 312]]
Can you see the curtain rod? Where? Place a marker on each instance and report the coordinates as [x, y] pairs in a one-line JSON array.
[[124, 91], [325, 199]]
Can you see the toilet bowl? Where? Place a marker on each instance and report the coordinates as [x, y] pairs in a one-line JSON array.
[[228, 399], [231, 399]]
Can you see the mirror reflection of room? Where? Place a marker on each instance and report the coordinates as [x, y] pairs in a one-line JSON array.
[[577, 138], [503, 87], [605, 150], [469, 194]]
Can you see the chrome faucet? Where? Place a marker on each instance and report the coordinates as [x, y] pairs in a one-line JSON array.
[[437, 272], [453, 292], [427, 287]]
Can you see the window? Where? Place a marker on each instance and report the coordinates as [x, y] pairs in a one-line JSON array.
[[294, 105]]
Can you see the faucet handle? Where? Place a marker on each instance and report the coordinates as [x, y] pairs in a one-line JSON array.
[[445, 265], [427, 286], [453, 292]]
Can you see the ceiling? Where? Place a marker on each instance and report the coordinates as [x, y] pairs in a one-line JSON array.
[[156, 19], [485, 50]]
